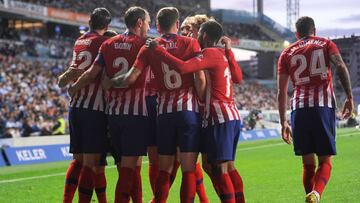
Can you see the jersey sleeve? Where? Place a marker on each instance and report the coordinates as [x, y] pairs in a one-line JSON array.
[[333, 48], [236, 73], [142, 60], [204, 60], [282, 66]]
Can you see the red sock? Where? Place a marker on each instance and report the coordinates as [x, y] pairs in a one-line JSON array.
[[200, 189], [308, 177], [174, 171], [124, 185], [225, 188], [71, 182], [153, 175], [238, 186], [86, 185], [100, 187], [162, 187], [136, 192], [322, 176], [188, 187]]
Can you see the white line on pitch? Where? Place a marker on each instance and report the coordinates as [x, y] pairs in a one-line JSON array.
[[144, 162]]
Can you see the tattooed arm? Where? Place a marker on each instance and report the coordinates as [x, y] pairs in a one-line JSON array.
[[343, 74]]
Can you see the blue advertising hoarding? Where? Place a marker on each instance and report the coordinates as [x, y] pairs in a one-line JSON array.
[[2, 161], [258, 134], [37, 154]]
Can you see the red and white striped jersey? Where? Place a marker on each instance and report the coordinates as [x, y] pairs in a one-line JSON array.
[[176, 92], [222, 71], [307, 61], [151, 85], [117, 55], [85, 50]]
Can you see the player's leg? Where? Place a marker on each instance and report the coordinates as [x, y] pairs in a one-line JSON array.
[[309, 166], [233, 172], [133, 146], [237, 182], [136, 192], [188, 130], [324, 131], [175, 166], [87, 177], [151, 105], [223, 141], [222, 179], [188, 184], [167, 143], [72, 177], [74, 169], [153, 166], [303, 141], [200, 188], [100, 179]]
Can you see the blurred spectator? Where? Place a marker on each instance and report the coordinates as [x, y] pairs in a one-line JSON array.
[[30, 100]]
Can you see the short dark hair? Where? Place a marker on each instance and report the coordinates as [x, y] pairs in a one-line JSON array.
[[213, 30], [133, 14], [167, 17], [99, 19], [305, 26], [110, 33]]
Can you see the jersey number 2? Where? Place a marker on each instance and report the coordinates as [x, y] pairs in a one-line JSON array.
[[84, 54]]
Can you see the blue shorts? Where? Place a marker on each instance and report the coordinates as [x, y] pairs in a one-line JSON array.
[[203, 137], [222, 141], [314, 131], [128, 134], [88, 131], [151, 105], [178, 129]]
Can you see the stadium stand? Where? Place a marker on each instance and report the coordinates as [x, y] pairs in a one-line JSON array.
[[30, 100], [31, 59]]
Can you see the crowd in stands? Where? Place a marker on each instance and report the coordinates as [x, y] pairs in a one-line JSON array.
[[186, 8], [118, 7], [31, 43], [251, 95], [30, 61], [30, 101]]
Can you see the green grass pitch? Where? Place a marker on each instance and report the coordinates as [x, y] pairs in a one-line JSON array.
[[270, 171]]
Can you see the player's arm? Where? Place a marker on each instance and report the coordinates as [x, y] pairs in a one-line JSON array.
[[86, 78], [203, 61], [69, 75], [282, 84], [132, 75], [126, 79], [343, 74], [236, 73], [200, 85]]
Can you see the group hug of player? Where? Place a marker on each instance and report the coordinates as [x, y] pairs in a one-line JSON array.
[[169, 97]]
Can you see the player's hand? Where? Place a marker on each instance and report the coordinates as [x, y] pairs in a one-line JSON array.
[[75, 72], [226, 42], [348, 108], [286, 133], [106, 82], [71, 91], [151, 43]]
